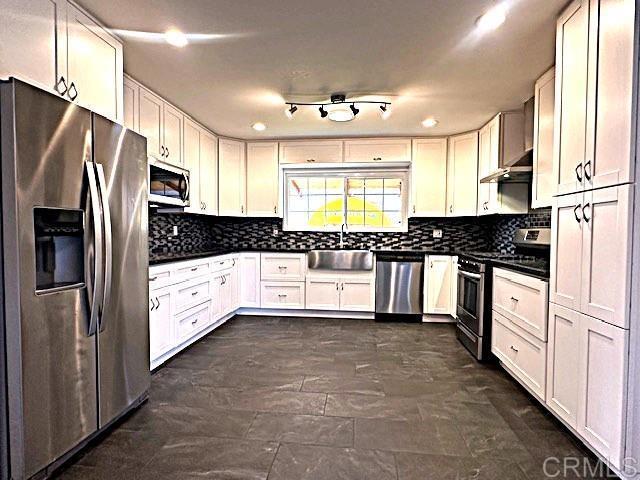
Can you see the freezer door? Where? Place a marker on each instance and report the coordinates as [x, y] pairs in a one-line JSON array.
[[48, 253], [120, 156]]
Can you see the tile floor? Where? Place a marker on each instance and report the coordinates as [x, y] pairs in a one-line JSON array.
[[299, 398]]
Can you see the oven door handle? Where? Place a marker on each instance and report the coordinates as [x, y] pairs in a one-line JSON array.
[[475, 276]]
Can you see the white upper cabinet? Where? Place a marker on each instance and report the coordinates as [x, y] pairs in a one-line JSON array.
[[131, 101], [231, 180], [572, 43], [609, 158], [590, 252], [172, 120], [488, 161], [191, 156], [594, 102], [262, 179], [429, 178], [150, 118], [94, 65], [162, 124], [33, 42], [208, 172], [377, 150], [542, 188], [311, 151], [462, 175], [57, 46]]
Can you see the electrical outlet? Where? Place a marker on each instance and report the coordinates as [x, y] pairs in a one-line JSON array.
[[175, 230], [437, 233], [276, 232]]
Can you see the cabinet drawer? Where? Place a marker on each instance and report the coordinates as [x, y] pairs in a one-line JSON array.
[[524, 355], [192, 294], [283, 267], [193, 270], [159, 276], [523, 300], [193, 320], [222, 263], [282, 295]]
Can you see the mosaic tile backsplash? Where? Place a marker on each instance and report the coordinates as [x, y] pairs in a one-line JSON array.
[[203, 234]]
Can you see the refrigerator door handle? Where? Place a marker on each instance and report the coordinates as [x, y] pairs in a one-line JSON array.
[[98, 260], [108, 243]]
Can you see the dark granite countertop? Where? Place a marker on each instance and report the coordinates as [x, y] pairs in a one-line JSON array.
[[168, 257], [538, 269]]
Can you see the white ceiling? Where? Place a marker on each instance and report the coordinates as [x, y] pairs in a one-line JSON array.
[[425, 56]]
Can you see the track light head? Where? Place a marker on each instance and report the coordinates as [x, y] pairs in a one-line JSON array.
[[385, 111], [290, 111], [355, 110], [323, 112]]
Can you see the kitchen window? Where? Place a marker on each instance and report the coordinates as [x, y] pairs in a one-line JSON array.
[[324, 200]]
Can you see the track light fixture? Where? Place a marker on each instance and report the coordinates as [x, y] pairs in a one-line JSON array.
[[337, 111], [290, 111]]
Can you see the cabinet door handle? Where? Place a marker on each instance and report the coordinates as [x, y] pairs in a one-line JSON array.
[[514, 348], [342, 286], [162, 151], [194, 322], [515, 299], [275, 209], [62, 82], [337, 286], [282, 295], [450, 208], [311, 160], [241, 208], [72, 93], [575, 213], [414, 209], [157, 302], [233, 262], [193, 269], [587, 170], [584, 212], [579, 172], [153, 279], [167, 150], [153, 305], [377, 159], [193, 294]]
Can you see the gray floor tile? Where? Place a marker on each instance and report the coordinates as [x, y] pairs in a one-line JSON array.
[[368, 406], [326, 384], [302, 462], [304, 429]]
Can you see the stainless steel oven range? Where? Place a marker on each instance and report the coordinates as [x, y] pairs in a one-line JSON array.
[[473, 307]]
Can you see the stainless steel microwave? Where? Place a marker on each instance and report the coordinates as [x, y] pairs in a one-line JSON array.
[[168, 184]]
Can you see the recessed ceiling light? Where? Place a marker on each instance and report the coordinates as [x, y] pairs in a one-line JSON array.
[[493, 18], [176, 38], [429, 123], [259, 127]]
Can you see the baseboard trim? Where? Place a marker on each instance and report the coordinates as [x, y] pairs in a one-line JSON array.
[[305, 313]]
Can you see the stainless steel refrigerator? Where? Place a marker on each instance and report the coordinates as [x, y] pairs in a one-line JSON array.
[[75, 351]]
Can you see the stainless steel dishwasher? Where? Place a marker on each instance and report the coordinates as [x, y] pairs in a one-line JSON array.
[[399, 280]]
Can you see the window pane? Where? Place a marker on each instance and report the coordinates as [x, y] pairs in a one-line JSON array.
[[298, 204], [392, 186], [335, 218], [355, 218], [297, 219], [355, 203], [392, 220], [317, 219], [298, 186], [374, 186], [335, 185], [373, 219], [392, 203], [335, 203], [316, 186], [355, 186], [373, 203], [316, 203]]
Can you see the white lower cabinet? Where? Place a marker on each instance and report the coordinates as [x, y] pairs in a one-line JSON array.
[[160, 322], [249, 274], [437, 284], [193, 320], [349, 292], [288, 295], [522, 353], [587, 379], [323, 293]]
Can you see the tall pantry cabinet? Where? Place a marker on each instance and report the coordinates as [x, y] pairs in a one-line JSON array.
[[593, 224]]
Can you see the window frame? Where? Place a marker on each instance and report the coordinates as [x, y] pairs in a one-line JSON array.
[[354, 172]]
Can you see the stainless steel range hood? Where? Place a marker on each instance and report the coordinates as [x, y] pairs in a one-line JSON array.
[[516, 135]]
